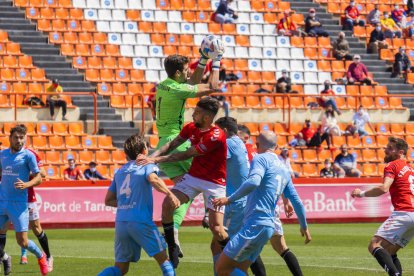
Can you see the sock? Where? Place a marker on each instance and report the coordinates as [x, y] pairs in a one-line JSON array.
[[44, 243], [397, 263], [32, 247], [169, 233], [291, 262], [237, 272], [385, 261], [167, 269], [215, 258], [224, 242], [176, 236], [111, 271], [23, 251], [5, 256], [2, 244], [258, 267]]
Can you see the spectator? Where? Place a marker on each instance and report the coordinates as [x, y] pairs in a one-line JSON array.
[[72, 172], [92, 174], [352, 17], [310, 137], [360, 119], [56, 99], [410, 31], [345, 164], [284, 83], [327, 98], [377, 40], [401, 64], [341, 48], [328, 171], [329, 124], [244, 134], [284, 158], [391, 29], [358, 72], [286, 25], [410, 7], [313, 25], [374, 16], [399, 16], [224, 14]]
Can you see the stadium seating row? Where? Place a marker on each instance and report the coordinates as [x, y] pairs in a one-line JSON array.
[[8, 101], [48, 128], [23, 74], [104, 157], [33, 87], [54, 172], [313, 170]]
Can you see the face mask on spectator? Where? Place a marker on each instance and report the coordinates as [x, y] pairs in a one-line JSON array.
[[326, 86], [386, 15], [378, 28], [360, 112], [328, 165], [72, 166], [396, 7], [312, 14], [308, 124], [402, 51], [352, 4], [93, 170]]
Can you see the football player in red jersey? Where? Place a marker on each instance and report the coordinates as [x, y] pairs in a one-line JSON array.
[[207, 173], [397, 231], [244, 134]]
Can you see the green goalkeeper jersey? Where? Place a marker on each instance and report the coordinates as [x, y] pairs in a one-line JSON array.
[[170, 98]]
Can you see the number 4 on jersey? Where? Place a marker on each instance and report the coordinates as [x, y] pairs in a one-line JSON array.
[[125, 188]]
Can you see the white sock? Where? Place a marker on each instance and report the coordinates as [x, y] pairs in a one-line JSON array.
[[176, 236], [5, 256]]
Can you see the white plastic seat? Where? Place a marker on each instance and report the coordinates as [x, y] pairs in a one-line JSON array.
[[143, 39], [156, 51], [297, 77], [149, 4], [121, 4], [255, 65], [297, 53], [141, 51], [311, 77], [243, 29], [107, 4], [255, 52], [339, 89], [199, 38], [90, 14], [130, 27], [214, 4], [310, 65], [269, 41], [256, 17], [139, 63], [129, 39], [201, 28], [243, 17], [324, 76], [256, 40], [147, 15], [103, 26], [310, 89], [296, 65], [283, 41], [127, 50], [241, 52], [269, 53], [152, 76], [173, 28], [283, 53], [154, 63], [269, 29], [187, 28], [93, 4], [229, 40], [134, 4], [116, 26], [175, 16], [161, 16], [114, 38], [256, 29], [163, 74], [269, 65], [105, 14], [119, 14], [243, 5], [79, 4], [229, 52], [282, 64]]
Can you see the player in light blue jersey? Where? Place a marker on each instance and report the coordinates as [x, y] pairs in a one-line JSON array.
[[266, 182], [131, 193], [17, 164], [237, 169]]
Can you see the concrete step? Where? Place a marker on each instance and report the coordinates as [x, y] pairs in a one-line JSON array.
[[114, 117], [42, 51], [30, 39], [48, 58], [23, 27]]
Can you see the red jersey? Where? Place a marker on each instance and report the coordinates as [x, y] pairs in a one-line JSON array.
[[73, 174], [251, 151], [211, 144], [352, 12], [402, 189], [307, 133], [31, 195]]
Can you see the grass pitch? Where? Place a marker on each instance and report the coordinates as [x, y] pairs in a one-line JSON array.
[[336, 249]]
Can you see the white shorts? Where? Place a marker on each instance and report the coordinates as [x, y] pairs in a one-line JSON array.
[[192, 186], [278, 223], [33, 211], [398, 229]]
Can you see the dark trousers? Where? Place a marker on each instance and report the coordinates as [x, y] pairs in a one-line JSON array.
[[340, 57], [58, 103], [399, 67], [317, 139], [318, 31]]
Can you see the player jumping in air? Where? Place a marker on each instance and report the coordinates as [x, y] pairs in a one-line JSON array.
[[237, 171], [207, 174], [171, 96], [131, 193], [34, 224], [17, 164], [397, 231], [267, 180]]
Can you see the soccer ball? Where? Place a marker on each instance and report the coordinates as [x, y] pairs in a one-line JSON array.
[[212, 47]]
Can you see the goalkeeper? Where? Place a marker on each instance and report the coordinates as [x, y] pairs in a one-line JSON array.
[[171, 96]]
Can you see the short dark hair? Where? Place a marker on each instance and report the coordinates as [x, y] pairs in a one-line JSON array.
[[209, 105], [134, 145], [228, 123], [173, 63], [92, 164], [22, 129], [244, 129], [399, 143]]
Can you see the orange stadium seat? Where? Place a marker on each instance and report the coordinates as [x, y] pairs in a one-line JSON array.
[[237, 102], [103, 157], [296, 155], [133, 15], [56, 142], [354, 142], [72, 142], [397, 129], [310, 170], [52, 172], [39, 143], [309, 155], [43, 128], [60, 129], [369, 155], [85, 157], [53, 158], [105, 142], [324, 154], [118, 157], [382, 141], [369, 142], [253, 127]]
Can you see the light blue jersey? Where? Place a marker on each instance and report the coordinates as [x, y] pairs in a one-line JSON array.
[[15, 166], [237, 164], [133, 192]]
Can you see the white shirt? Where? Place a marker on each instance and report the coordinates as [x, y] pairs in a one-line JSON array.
[[361, 120]]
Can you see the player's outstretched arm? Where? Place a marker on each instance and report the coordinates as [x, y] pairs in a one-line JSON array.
[[110, 199], [376, 191], [177, 156], [198, 74], [160, 186], [170, 146]]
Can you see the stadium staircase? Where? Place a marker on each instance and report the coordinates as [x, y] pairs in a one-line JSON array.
[[375, 65]]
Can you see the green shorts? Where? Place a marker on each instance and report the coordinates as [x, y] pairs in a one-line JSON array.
[[177, 168]]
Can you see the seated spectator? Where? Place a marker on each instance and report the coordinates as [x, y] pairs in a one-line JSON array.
[[390, 28], [399, 16], [327, 171], [55, 99], [286, 25], [410, 7], [360, 119], [310, 137], [284, 158], [341, 48], [72, 172], [401, 63], [224, 14], [313, 25], [358, 72], [284, 83], [92, 174], [377, 40], [244, 134], [410, 31], [374, 16], [345, 164], [329, 124], [327, 97], [352, 17]]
